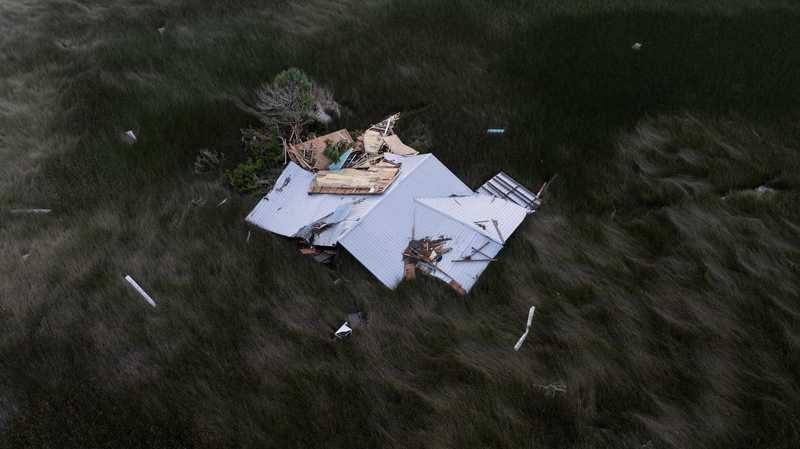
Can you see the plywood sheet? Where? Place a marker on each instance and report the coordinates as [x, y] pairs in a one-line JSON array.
[[351, 181]]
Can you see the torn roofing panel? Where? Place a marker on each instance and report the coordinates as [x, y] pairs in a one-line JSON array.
[[506, 187], [493, 217], [469, 250], [312, 152], [384, 232]]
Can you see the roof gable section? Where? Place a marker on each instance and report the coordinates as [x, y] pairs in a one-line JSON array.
[[493, 217]]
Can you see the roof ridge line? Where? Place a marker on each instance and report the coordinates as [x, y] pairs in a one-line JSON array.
[[392, 187]]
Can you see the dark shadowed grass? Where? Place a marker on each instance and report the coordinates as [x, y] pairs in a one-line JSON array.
[[668, 313]]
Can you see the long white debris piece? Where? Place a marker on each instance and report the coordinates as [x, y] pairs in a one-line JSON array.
[[140, 290], [344, 330], [527, 328], [30, 211]]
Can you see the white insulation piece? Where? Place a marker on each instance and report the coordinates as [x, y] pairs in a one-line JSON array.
[[140, 290], [527, 328]]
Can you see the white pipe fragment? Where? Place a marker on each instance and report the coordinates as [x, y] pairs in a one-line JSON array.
[[140, 290], [527, 328], [30, 211], [222, 202], [248, 237]]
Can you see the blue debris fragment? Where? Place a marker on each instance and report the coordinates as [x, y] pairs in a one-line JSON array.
[[339, 162]]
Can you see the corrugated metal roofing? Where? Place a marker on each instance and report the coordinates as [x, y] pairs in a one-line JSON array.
[[480, 213], [382, 234], [506, 187]]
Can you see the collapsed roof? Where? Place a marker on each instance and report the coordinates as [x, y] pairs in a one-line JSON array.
[[385, 207]]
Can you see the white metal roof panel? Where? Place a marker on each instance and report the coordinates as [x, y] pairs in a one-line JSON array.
[[289, 207], [384, 232], [480, 213], [464, 241]]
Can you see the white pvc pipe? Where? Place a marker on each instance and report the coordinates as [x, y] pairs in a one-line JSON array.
[[140, 290]]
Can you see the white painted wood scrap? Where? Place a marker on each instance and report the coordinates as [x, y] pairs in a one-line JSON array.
[[527, 328], [141, 291]]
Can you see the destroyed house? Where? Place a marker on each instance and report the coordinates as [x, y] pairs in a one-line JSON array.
[[394, 210], [425, 200]]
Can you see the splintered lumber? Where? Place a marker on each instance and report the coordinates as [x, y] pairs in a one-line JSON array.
[[396, 146], [375, 136], [409, 271], [351, 181], [311, 153], [386, 126], [372, 142]]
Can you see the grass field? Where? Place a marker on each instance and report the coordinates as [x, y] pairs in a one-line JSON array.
[[666, 287]]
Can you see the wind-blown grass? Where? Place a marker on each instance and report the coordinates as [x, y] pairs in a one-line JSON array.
[[665, 287]]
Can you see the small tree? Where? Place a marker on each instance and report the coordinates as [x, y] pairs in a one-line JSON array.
[[293, 100]]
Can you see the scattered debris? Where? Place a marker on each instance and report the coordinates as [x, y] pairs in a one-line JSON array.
[[341, 161], [140, 290], [553, 389], [311, 153], [344, 330], [505, 187], [129, 137], [423, 253], [495, 131], [527, 328], [222, 202], [320, 255], [25, 256], [161, 30], [636, 46], [247, 240], [31, 211]]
